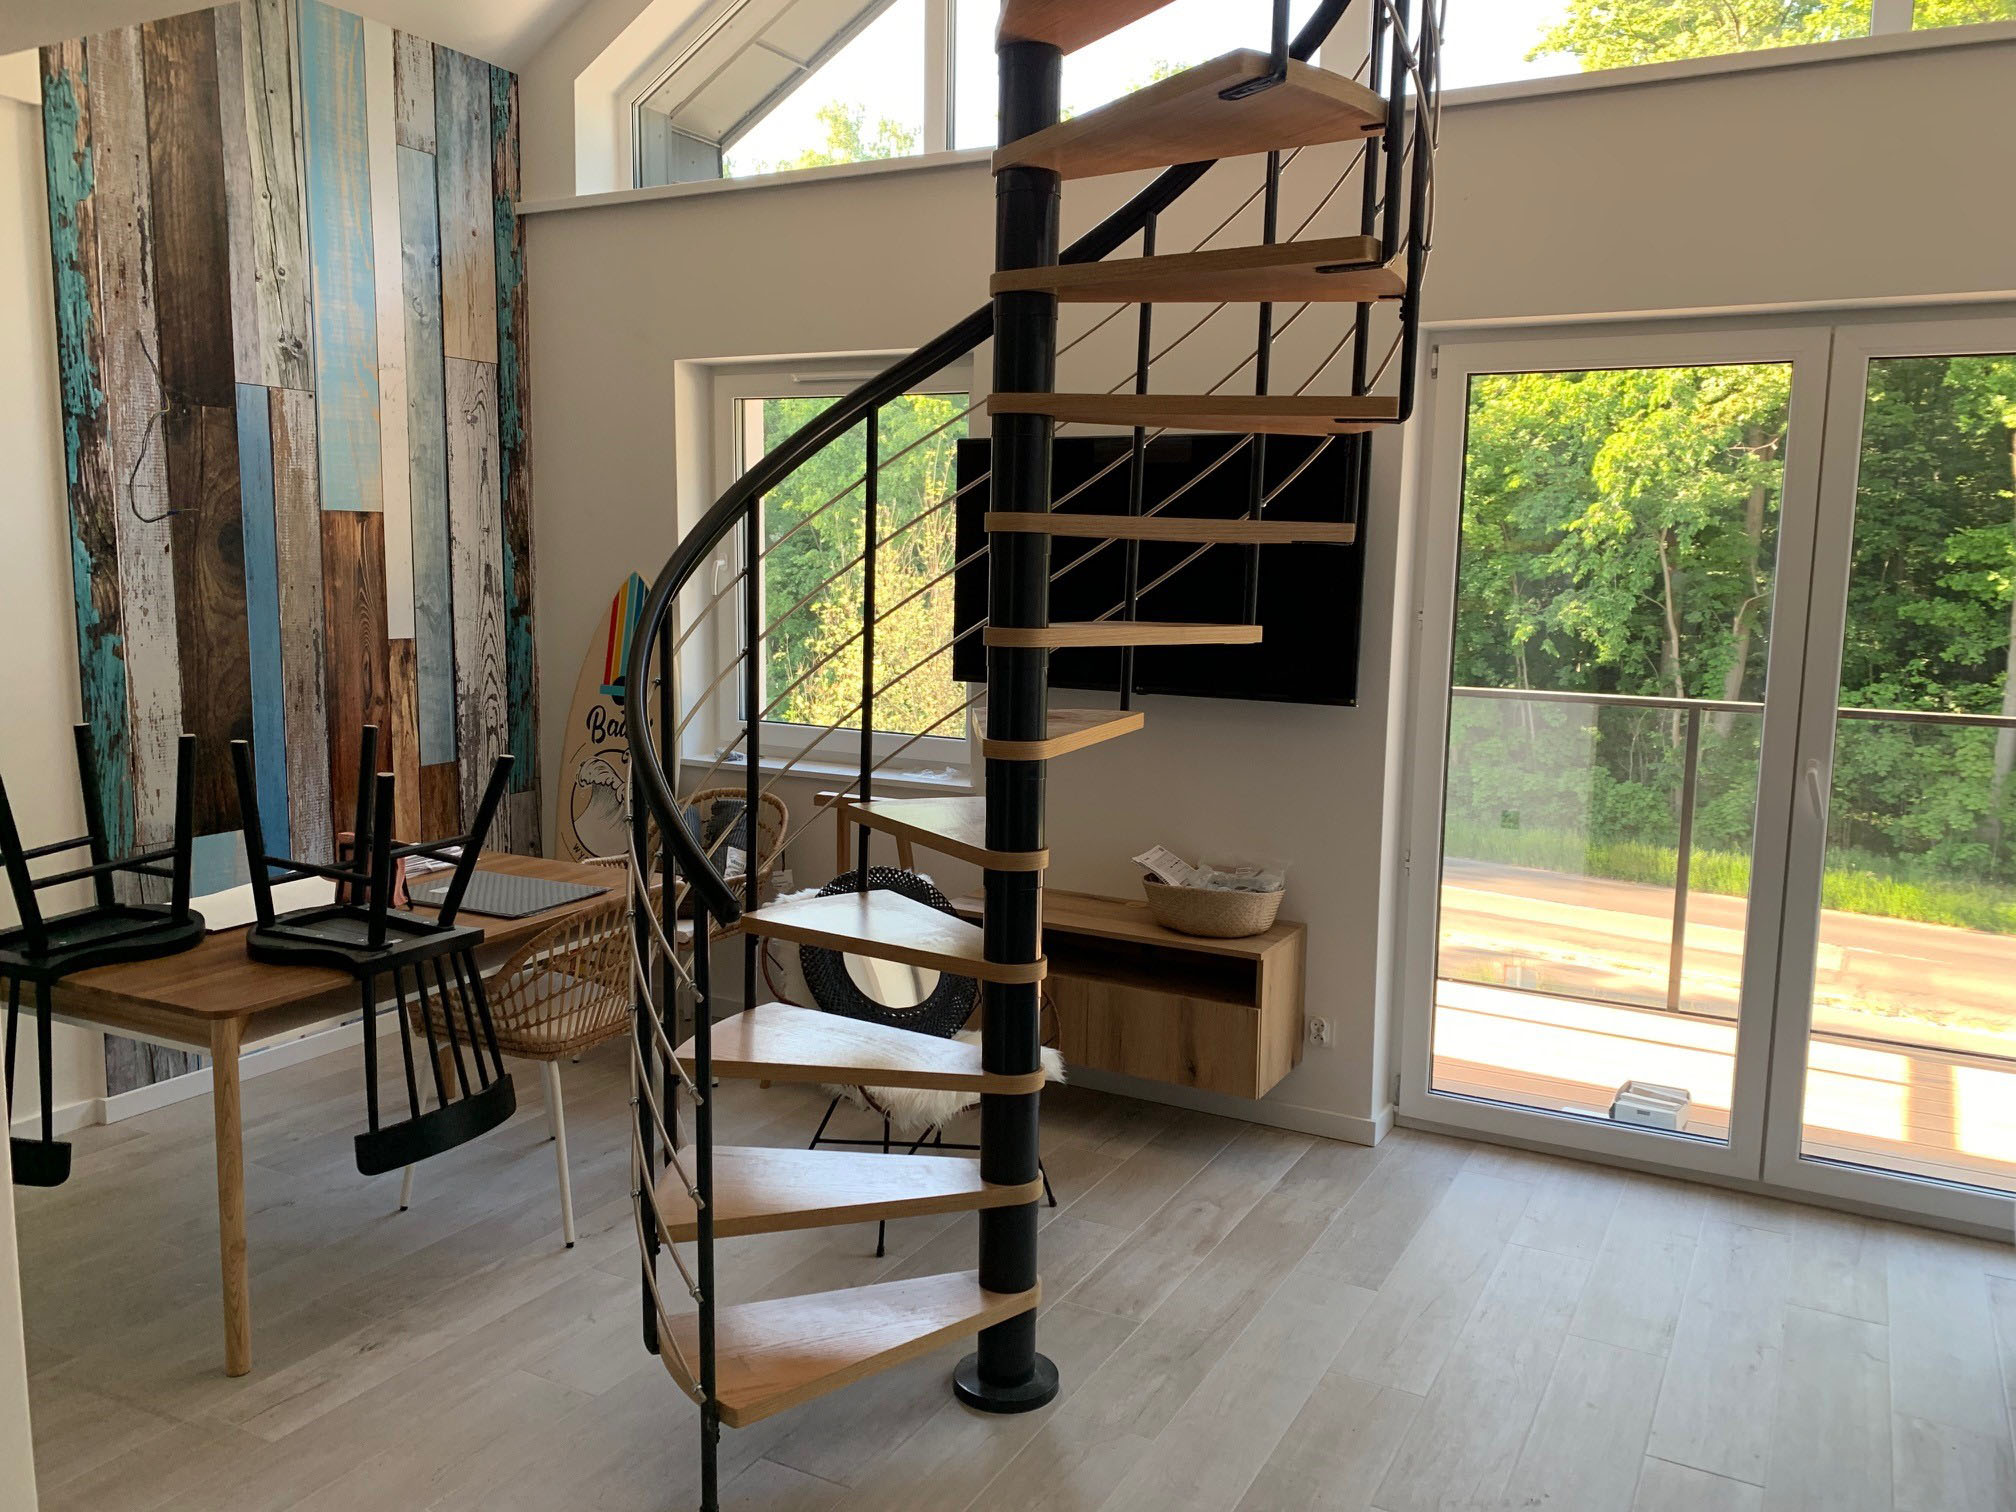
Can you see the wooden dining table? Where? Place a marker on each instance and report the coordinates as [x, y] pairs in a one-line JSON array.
[[216, 1000]]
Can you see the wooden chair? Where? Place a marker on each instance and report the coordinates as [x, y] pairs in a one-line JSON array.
[[43, 950], [362, 934], [563, 992]]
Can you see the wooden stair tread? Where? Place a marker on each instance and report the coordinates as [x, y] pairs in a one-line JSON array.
[[787, 1351], [1244, 414], [1184, 120], [1070, 24], [1068, 730], [1118, 632], [777, 1042], [1288, 271], [887, 926], [950, 826], [766, 1191], [1164, 527]]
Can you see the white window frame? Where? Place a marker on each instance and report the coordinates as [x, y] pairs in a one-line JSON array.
[[1445, 412], [935, 761]]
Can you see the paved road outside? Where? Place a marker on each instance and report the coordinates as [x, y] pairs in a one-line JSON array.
[[1886, 979]]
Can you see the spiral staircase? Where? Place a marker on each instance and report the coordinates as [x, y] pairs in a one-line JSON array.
[[747, 1361]]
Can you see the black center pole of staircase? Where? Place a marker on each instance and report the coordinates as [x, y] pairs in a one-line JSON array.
[[1006, 1374]]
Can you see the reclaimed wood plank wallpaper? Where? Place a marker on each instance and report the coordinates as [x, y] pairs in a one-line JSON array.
[[290, 299]]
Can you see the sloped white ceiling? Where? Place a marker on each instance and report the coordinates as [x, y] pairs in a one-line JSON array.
[[507, 32]]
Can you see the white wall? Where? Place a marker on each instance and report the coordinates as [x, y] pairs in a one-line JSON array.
[[38, 675], [1856, 178]]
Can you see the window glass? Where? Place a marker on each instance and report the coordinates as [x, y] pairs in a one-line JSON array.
[[813, 584], [1497, 41], [1181, 35], [1935, 13], [865, 102]]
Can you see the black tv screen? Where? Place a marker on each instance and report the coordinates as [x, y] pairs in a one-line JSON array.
[[1310, 595]]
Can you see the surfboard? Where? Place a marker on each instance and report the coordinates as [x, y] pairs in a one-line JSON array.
[[595, 761]]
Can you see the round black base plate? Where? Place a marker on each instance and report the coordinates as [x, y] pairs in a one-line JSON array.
[[1037, 1391]]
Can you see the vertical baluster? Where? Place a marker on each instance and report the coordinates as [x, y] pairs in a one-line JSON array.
[[1368, 204], [1400, 43], [1263, 373], [870, 526], [1137, 476], [703, 1017], [1428, 46], [667, 988], [640, 928]]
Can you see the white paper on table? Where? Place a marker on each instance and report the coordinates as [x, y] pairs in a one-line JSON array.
[[235, 907]]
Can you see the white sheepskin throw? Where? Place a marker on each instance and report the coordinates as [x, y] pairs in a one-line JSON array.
[[916, 1111]]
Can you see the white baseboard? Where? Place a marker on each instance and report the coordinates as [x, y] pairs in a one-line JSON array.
[[88, 1111], [1275, 1115]]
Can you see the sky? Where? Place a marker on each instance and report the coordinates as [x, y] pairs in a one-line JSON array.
[[883, 68]]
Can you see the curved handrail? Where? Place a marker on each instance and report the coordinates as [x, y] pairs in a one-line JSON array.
[[710, 888]]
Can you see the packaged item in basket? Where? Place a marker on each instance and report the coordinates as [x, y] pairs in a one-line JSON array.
[[1229, 875]]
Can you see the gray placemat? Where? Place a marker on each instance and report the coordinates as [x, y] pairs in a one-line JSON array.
[[502, 895]]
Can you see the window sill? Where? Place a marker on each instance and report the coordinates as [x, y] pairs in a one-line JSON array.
[[923, 162], [950, 781]]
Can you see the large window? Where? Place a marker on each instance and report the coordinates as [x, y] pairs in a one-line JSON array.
[[769, 86], [812, 584], [1181, 35]]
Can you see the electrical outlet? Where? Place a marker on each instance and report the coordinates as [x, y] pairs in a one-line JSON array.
[[1319, 1031]]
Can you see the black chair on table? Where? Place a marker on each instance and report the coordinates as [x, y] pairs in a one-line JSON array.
[[43, 950], [362, 933]]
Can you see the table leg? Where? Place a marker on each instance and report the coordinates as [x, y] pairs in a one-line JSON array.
[[225, 1036]]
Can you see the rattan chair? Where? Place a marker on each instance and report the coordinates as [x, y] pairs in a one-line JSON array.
[[563, 992]]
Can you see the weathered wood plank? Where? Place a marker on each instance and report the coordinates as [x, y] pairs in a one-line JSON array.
[[514, 397], [270, 317], [477, 567], [427, 462], [403, 732], [132, 402], [396, 483], [262, 613], [468, 233], [192, 247], [340, 247], [297, 534], [441, 800], [241, 212], [413, 83], [94, 554], [212, 640], [353, 588]]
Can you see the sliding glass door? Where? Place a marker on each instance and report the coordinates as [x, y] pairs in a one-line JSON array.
[[1624, 525], [1714, 822], [1896, 1066]]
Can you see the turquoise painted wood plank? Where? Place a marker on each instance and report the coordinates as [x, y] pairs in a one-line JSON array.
[[513, 441], [340, 256], [94, 558], [468, 232], [262, 612], [427, 440]]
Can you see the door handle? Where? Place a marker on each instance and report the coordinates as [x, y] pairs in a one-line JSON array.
[[1816, 789]]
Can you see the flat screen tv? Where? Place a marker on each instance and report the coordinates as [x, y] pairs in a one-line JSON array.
[[1310, 595]]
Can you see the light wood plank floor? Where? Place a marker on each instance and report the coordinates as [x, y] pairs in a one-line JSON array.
[[1246, 1321]]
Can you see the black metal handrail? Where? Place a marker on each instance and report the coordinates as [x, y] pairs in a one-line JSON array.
[[655, 785]]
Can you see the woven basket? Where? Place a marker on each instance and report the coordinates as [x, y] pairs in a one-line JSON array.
[[1216, 914]]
